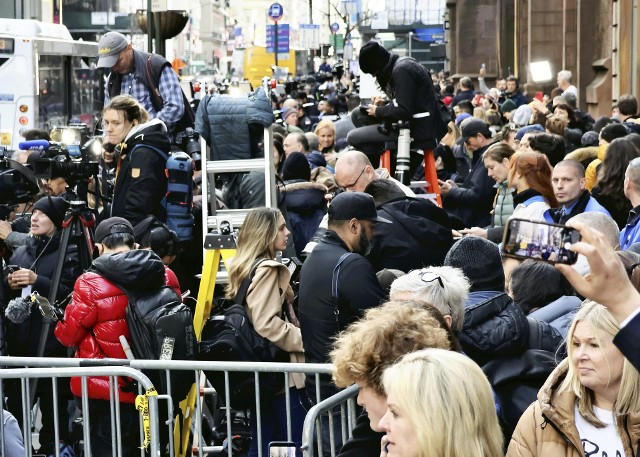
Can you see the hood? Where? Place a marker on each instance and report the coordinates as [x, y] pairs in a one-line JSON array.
[[425, 221], [558, 406], [304, 196], [138, 270], [153, 133]]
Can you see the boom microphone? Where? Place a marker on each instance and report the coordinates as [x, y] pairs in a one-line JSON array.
[[18, 309], [34, 145]]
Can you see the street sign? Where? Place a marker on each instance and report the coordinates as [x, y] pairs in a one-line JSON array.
[[275, 12], [283, 39], [309, 37], [335, 27]]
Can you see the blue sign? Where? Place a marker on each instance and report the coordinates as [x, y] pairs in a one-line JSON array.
[[275, 12], [283, 38], [335, 27]]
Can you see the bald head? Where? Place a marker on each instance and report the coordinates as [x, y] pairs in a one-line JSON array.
[[354, 171]]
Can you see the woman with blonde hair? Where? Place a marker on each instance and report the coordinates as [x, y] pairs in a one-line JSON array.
[[439, 404], [263, 233], [368, 346], [591, 403], [326, 131]]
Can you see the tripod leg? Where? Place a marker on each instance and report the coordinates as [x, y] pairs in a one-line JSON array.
[[431, 175]]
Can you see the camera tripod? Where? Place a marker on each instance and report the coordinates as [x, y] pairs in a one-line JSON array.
[[77, 226]]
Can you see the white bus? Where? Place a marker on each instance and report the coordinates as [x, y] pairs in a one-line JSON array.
[[47, 79]]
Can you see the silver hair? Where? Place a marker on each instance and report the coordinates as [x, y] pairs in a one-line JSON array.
[[602, 223], [565, 74], [449, 298]]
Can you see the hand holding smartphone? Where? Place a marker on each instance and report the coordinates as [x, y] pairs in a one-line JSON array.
[[538, 240]]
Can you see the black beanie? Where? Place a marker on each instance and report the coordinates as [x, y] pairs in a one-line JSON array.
[[613, 131], [54, 208], [373, 57], [296, 166], [480, 261]]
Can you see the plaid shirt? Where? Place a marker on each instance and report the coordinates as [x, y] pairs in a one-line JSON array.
[[170, 90]]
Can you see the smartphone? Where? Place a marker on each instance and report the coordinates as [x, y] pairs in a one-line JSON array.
[[524, 239], [11, 269], [282, 449]]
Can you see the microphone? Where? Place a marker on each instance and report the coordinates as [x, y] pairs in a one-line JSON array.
[[37, 145], [18, 309]]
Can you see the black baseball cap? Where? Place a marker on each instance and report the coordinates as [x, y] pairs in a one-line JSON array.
[[471, 126], [354, 205], [111, 226]]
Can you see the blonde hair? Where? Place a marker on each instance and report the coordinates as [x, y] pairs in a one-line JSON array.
[[386, 333], [447, 399], [255, 240], [628, 399], [323, 124], [132, 110]]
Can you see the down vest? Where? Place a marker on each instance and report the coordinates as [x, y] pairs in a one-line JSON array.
[[96, 315], [547, 428]]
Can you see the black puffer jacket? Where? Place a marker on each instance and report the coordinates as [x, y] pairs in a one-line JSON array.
[[419, 236], [306, 206], [41, 256], [141, 183], [494, 326], [410, 87]]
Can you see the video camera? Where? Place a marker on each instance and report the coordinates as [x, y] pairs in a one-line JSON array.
[[17, 183], [189, 142], [71, 154]]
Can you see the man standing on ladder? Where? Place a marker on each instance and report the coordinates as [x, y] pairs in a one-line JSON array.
[[409, 88]]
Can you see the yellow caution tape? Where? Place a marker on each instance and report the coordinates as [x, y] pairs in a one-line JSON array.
[[142, 405]]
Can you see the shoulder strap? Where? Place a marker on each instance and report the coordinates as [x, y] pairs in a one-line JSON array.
[[163, 154], [241, 295], [334, 286], [153, 72]]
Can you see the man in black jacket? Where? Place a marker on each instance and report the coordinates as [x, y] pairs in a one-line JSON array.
[[472, 201], [412, 98], [337, 264]]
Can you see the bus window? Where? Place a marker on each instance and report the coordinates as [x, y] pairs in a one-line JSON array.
[[52, 97], [86, 92]]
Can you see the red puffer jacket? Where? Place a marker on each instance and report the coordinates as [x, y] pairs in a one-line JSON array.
[[93, 321]]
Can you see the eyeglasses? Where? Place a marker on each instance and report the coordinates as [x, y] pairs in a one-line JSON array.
[[353, 184], [430, 276]]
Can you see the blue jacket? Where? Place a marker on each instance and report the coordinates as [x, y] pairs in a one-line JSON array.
[[558, 313], [631, 232], [583, 204]]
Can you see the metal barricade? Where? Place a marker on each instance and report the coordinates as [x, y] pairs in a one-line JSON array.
[[199, 445], [148, 430], [312, 423]]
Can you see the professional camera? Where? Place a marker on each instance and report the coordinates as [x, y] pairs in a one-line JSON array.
[[189, 142], [17, 183]]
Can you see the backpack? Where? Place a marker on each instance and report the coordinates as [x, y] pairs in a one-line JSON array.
[[178, 201], [229, 336], [161, 328], [155, 65]]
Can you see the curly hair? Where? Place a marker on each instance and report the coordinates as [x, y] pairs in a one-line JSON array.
[[367, 347]]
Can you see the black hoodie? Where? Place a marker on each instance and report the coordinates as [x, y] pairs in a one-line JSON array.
[[141, 183], [138, 270]]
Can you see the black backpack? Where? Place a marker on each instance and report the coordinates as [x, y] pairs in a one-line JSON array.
[[229, 336], [161, 328]]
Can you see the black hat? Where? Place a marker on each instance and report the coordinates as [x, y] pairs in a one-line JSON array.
[[589, 138], [111, 226], [472, 126], [480, 261], [296, 166], [613, 131], [354, 205], [373, 57], [54, 208]]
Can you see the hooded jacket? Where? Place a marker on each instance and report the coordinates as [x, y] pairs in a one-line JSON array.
[[306, 206], [547, 428], [419, 236], [141, 182], [96, 315], [41, 256]]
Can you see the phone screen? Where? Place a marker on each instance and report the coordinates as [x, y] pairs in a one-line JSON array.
[[538, 240], [282, 449]]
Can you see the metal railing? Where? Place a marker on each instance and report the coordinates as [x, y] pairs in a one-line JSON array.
[[114, 368]]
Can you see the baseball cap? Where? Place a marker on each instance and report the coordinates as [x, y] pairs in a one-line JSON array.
[[109, 48], [470, 127], [111, 226], [354, 205]]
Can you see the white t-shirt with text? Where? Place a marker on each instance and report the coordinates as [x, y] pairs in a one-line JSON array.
[[599, 442]]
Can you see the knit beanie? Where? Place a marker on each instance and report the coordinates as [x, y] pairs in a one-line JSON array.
[[507, 106], [373, 57], [54, 207], [296, 166], [589, 138], [288, 112], [480, 261], [613, 131]]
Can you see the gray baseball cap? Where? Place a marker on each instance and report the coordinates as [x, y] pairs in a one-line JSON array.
[[109, 48]]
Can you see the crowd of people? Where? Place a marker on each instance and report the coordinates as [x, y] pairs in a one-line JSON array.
[[455, 349]]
